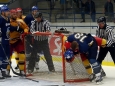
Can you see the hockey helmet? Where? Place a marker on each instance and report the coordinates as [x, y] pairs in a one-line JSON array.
[[101, 19], [69, 55], [34, 8], [38, 14], [4, 8], [13, 11], [18, 9]]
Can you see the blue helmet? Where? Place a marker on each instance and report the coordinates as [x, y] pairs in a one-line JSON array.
[[69, 55], [4, 8], [34, 8]]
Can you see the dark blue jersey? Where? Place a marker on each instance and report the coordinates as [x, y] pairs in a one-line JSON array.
[[5, 28], [82, 39], [28, 19]]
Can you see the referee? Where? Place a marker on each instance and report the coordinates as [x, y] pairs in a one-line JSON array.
[[41, 42], [105, 31]]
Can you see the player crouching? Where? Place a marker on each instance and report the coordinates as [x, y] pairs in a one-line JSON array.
[[85, 44]]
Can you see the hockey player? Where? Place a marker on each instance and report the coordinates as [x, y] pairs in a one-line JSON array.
[[19, 16], [29, 18], [101, 43], [29, 39], [16, 42], [5, 29], [87, 44]]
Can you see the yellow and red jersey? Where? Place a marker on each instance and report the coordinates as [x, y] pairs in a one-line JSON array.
[[100, 41], [14, 35]]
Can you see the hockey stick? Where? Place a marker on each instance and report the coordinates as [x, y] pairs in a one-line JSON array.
[[29, 79], [10, 63], [14, 71]]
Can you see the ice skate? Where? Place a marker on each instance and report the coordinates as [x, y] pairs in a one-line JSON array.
[[16, 68], [23, 75], [30, 71], [103, 74], [98, 79], [92, 77], [2, 79], [4, 74], [37, 66]]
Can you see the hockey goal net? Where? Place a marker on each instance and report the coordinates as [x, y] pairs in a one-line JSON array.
[[64, 71]]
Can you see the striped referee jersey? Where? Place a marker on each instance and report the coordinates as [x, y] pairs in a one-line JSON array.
[[106, 33], [42, 26]]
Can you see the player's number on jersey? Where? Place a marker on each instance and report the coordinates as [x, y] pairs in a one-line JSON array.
[[80, 36]]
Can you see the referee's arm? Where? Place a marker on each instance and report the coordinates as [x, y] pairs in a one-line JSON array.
[[97, 32], [110, 37], [47, 25]]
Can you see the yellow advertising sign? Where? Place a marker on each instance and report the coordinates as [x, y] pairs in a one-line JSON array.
[[4, 1]]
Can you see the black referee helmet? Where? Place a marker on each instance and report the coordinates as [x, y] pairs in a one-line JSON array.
[[38, 14], [101, 19]]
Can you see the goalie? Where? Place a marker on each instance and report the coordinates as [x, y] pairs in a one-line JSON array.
[[87, 45]]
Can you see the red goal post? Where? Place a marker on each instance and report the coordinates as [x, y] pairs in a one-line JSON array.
[[66, 72]]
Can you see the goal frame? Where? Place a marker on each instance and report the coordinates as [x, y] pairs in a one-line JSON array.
[[63, 59]]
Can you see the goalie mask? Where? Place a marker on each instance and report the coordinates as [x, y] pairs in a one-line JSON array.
[[69, 55]]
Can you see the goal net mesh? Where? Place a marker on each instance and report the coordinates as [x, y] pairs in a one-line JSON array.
[[64, 71]]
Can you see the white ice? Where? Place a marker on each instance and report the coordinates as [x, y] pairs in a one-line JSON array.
[[109, 80]]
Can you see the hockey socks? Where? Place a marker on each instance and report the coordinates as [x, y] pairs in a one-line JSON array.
[[21, 62]]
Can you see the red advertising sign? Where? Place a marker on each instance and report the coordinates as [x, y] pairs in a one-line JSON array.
[[55, 46]]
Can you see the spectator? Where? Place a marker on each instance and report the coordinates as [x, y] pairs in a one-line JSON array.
[[88, 8], [63, 12], [109, 11]]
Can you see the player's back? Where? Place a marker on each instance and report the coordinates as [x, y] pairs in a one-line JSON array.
[[4, 27], [82, 39], [28, 19]]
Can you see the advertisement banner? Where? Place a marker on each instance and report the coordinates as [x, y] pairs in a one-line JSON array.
[[55, 46]]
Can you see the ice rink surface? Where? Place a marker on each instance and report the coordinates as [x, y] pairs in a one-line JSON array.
[[109, 80]]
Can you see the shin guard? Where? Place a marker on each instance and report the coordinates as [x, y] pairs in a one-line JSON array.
[[21, 62]]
